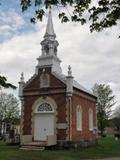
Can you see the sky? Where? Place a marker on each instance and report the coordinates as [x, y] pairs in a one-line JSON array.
[[94, 57]]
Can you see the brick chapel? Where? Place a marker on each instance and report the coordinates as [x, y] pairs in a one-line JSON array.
[[55, 109]]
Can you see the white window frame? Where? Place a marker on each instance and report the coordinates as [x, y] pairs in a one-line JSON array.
[[79, 118], [44, 108], [91, 127]]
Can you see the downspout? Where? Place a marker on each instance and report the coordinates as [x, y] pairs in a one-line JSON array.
[[21, 85], [69, 118]]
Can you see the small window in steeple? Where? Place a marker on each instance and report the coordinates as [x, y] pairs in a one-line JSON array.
[[44, 80], [47, 49]]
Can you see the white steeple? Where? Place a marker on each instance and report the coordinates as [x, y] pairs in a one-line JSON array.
[[49, 44], [50, 29], [49, 49], [22, 77], [69, 71]]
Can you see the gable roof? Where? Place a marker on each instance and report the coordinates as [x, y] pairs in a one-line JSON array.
[[29, 80], [62, 77]]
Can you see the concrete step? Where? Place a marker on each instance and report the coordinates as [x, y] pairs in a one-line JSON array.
[[33, 148], [44, 143]]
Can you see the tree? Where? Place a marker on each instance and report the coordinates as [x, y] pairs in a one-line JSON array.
[[101, 13], [116, 119], [5, 84], [9, 109], [105, 100]]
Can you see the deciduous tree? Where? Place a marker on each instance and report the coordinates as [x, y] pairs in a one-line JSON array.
[[99, 13], [9, 108], [105, 101], [116, 119], [5, 84]]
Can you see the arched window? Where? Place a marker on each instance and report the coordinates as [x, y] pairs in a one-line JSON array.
[[90, 119], [44, 107], [79, 118], [44, 80]]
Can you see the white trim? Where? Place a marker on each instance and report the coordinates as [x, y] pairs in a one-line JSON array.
[[37, 103], [36, 109]]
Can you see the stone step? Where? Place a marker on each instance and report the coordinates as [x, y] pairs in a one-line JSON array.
[[37, 144], [31, 148]]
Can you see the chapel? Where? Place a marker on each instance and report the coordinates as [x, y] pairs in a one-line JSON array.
[[55, 109]]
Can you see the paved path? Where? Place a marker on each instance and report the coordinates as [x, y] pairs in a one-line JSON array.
[[110, 158]]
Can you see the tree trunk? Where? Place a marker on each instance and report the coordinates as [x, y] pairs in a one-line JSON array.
[[0, 126]]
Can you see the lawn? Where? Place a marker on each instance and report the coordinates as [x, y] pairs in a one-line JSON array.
[[107, 147]]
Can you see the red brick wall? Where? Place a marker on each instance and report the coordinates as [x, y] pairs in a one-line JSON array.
[[60, 100], [54, 82], [28, 102], [61, 116], [85, 105]]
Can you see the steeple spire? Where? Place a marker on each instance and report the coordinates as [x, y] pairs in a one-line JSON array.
[[49, 49], [49, 44], [50, 29]]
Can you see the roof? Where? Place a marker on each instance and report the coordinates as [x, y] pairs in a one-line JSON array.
[[62, 77]]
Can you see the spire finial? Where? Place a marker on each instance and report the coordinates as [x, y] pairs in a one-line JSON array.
[[69, 71], [22, 77], [50, 29]]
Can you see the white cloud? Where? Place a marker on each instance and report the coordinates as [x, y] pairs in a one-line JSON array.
[[114, 85], [10, 22], [93, 57]]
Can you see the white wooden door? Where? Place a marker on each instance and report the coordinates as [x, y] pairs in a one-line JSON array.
[[44, 126]]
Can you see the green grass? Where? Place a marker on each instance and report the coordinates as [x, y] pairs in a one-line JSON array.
[[107, 147]]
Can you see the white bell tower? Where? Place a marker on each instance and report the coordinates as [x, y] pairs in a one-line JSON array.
[[49, 49]]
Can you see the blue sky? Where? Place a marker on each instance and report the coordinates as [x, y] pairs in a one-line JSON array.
[[10, 9], [93, 57]]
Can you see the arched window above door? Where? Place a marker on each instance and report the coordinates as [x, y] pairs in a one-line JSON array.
[[44, 108]]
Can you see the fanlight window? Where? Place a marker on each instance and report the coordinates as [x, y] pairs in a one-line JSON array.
[[44, 107], [44, 80]]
